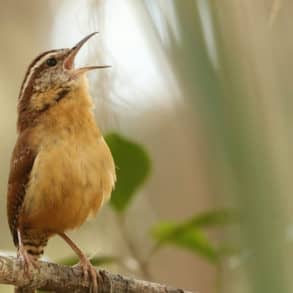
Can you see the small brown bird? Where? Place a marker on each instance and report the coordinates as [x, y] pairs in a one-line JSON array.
[[61, 168]]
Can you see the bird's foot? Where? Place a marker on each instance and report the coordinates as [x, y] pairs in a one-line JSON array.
[[89, 270], [29, 263]]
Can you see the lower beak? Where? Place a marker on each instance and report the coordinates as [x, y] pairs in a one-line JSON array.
[[69, 60]]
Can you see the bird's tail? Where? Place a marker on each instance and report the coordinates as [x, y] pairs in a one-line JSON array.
[[34, 246], [24, 290]]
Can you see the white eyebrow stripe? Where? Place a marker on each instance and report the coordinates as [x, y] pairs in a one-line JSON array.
[[32, 70]]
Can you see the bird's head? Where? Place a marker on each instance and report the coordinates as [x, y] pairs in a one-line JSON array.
[[50, 77]]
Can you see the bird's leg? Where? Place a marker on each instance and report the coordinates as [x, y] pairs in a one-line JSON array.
[[84, 263], [28, 260]]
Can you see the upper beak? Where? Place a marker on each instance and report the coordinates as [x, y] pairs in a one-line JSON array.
[[69, 60]]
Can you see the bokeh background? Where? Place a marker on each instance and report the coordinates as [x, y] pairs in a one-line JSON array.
[[200, 94]]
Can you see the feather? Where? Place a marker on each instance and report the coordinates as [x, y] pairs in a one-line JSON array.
[[22, 162]]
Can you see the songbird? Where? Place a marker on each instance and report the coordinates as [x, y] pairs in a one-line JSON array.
[[61, 168]]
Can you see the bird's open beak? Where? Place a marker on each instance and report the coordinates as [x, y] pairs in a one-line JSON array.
[[69, 60]]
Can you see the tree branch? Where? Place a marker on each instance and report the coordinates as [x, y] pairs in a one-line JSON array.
[[60, 278]]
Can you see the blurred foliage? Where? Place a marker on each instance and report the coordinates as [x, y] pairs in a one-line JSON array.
[[224, 60], [132, 168], [190, 235], [213, 218], [184, 236]]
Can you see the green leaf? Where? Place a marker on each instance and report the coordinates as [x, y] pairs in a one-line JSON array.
[[214, 218], [189, 234], [184, 236], [132, 167], [96, 260], [228, 250]]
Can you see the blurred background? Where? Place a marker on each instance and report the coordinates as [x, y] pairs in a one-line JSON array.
[[197, 111]]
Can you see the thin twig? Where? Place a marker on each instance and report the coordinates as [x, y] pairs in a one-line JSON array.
[[143, 265]]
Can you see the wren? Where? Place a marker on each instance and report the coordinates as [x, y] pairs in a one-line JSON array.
[[62, 170]]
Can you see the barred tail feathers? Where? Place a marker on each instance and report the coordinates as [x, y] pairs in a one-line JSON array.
[[35, 248]]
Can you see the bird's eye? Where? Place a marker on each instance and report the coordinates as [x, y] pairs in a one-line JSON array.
[[51, 61]]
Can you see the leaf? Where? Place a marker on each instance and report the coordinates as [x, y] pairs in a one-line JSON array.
[[184, 236], [228, 250], [132, 167], [189, 234], [96, 260], [214, 218]]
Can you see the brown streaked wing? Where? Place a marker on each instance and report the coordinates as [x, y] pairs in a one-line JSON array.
[[22, 161]]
